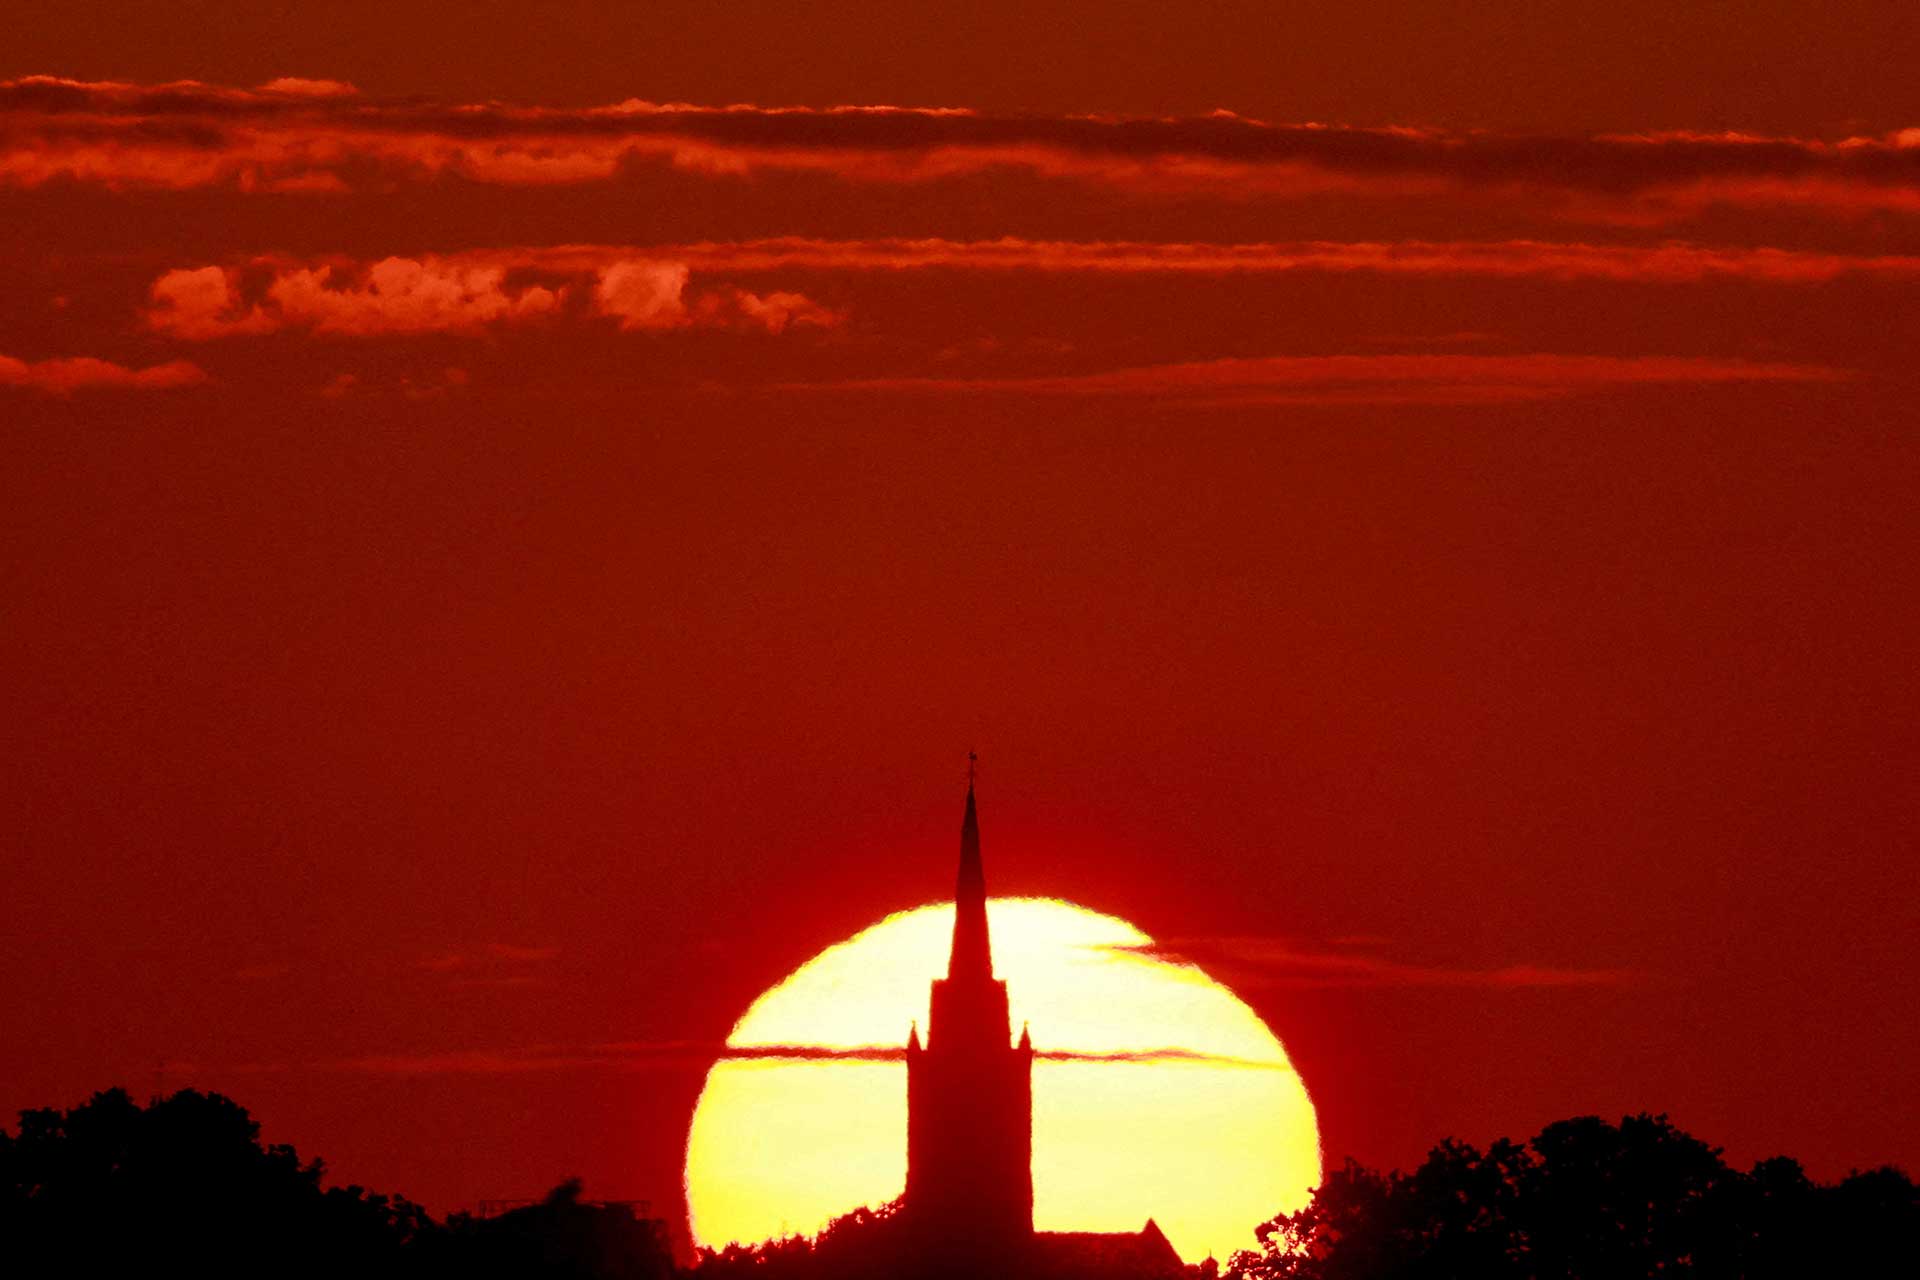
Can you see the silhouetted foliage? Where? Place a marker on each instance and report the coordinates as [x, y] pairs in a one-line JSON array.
[[184, 1185], [1588, 1200], [561, 1238], [866, 1244], [114, 1188]]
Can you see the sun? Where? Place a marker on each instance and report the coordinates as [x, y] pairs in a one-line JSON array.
[[1170, 1098]]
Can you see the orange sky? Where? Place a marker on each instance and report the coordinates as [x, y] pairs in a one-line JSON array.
[[1414, 507]]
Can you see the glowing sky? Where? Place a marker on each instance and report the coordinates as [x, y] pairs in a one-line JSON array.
[[510, 523], [1206, 1145]]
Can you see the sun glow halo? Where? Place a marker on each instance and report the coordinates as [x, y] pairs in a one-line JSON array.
[[1209, 1140]]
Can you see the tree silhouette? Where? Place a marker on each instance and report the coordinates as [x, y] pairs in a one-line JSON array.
[[865, 1244], [561, 1238], [185, 1185], [1589, 1200], [111, 1187]]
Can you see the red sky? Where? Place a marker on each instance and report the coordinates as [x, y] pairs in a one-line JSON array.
[[1415, 507]]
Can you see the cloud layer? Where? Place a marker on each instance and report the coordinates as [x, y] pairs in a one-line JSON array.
[[1367, 379], [319, 135], [649, 288], [638, 1055], [1254, 962], [81, 373], [1670, 262], [458, 294]]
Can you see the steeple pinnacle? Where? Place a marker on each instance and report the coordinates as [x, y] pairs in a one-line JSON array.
[[972, 956], [970, 1093]]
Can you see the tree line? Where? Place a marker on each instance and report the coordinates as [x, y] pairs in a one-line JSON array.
[[185, 1184]]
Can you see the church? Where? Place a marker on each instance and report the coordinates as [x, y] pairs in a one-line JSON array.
[[969, 1192]]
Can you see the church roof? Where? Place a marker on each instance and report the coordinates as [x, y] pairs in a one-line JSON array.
[[1127, 1255]]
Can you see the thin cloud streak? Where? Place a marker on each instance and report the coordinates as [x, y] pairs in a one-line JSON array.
[[1676, 262], [641, 1055], [313, 135], [1255, 962], [512, 952], [493, 954], [83, 373], [1364, 379], [646, 288]]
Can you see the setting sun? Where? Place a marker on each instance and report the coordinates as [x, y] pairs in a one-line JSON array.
[[1157, 1092]]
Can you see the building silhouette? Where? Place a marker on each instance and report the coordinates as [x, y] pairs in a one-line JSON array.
[[969, 1088], [969, 1193]]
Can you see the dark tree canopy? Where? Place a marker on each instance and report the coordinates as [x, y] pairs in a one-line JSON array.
[[184, 1185], [1589, 1200], [862, 1245], [112, 1188], [562, 1238]]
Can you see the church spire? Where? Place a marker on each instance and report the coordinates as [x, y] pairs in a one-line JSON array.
[[972, 955], [970, 1095]]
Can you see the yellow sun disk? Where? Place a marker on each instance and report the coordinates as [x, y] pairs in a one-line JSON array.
[[1209, 1145]]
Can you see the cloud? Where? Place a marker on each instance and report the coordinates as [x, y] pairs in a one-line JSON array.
[[189, 134], [472, 1062], [394, 295], [431, 384], [79, 373], [203, 303], [493, 955], [642, 1055], [1366, 379], [733, 308], [647, 288], [642, 293], [494, 966], [519, 954], [1253, 962], [623, 1055], [650, 288], [1673, 262], [458, 294], [300, 86], [650, 293], [404, 295], [1665, 263]]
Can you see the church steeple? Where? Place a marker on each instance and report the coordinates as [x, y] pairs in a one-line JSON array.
[[970, 1093], [972, 955]]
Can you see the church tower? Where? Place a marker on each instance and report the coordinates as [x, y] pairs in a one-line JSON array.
[[970, 1091]]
